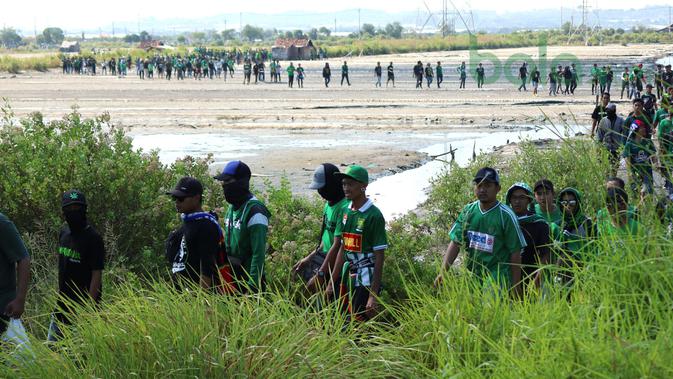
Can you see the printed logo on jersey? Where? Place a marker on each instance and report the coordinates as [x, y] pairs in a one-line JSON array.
[[71, 254], [345, 218], [352, 242], [360, 224], [481, 241]]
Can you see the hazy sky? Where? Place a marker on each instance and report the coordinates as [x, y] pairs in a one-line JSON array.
[[93, 14]]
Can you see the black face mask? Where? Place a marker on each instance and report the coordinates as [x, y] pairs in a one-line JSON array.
[[237, 192], [76, 219], [611, 115], [332, 192]]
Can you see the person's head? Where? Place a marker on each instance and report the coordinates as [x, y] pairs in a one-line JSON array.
[[569, 202], [291, 64], [626, 69], [519, 197], [617, 201], [640, 128], [187, 194], [235, 179], [419, 63], [605, 98], [611, 109], [345, 62], [391, 63], [480, 64], [329, 187], [326, 64], [354, 182], [73, 205], [428, 64], [378, 63], [544, 194], [595, 64], [668, 68], [439, 63], [299, 65], [637, 105], [648, 88], [615, 182], [486, 185]]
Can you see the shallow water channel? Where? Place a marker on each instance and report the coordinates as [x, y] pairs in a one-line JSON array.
[[395, 194]]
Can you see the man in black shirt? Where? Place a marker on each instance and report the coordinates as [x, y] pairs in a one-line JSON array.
[[391, 74], [81, 256], [534, 228], [599, 112], [193, 248]]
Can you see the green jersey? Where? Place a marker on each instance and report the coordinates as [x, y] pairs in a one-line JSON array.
[[665, 136], [331, 216], [12, 250], [245, 237], [639, 153], [344, 69], [625, 77], [606, 228], [363, 232], [603, 214], [290, 71], [489, 237], [553, 217], [440, 71]]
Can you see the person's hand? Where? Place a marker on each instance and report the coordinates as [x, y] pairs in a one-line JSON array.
[[439, 280], [299, 266], [329, 291], [314, 283], [15, 308], [371, 309]]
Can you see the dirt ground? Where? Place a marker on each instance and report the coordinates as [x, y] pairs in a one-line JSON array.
[[145, 106]]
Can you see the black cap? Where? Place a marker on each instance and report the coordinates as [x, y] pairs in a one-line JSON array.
[[72, 197], [186, 187], [544, 183], [487, 174], [234, 170]]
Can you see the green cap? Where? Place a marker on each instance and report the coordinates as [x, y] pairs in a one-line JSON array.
[[355, 172]]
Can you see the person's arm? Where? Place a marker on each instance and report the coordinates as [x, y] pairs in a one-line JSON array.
[[336, 270], [376, 283], [258, 233], [15, 308], [304, 261], [515, 267], [449, 257], [95, 285], [326, 266]]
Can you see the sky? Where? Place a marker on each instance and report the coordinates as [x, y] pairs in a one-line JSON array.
[[44, 13]]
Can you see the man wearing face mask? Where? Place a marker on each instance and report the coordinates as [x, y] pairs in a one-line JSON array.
[[81, 256], [611, 134], [246, 225], [316, 266]]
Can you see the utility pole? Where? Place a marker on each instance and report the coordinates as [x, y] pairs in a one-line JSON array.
[[113, 30], [359, 25], [669, 18], [335, 30], [240, 26]]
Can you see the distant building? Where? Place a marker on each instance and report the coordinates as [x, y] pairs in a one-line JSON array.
[[666, 29], [69, 47], [293, 49]]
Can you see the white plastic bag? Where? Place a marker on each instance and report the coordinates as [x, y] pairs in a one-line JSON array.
[[16, 335]]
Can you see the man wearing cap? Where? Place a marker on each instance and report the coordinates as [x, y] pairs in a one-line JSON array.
[[81, 257], [640, 155], [14, 273], [490, 233], [611, 134], [314, 267], [246, 226], [192, 249], [535, 230], [359, 262]]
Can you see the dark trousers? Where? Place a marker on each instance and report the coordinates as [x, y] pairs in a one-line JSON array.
[[345, 76]]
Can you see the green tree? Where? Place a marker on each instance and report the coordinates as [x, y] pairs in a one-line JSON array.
[[368, 30], [131, 38], [394, 30], [53, 36], [324, 31], [228, 34], [145, 36], [197, 37], [298, 34], [9, 38], [313, 33], [182, 39], [252, 33]]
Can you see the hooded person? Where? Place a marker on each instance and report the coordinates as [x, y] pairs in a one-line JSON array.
[[315, 267], [535, 230], [246, 226], [576, 230], [81, 257]]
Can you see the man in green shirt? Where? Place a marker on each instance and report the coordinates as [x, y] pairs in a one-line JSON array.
[[490, 233], [314, 267], [619, 223], [664, 122], [246, 225], [595, 72], [462, 72], [625, 83], [14, 273], [360, 259], [480, 76], [344, 74], [440, 74], [290, 75], [545, 198], [640, 155]]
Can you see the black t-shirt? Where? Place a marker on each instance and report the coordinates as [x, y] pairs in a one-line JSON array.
[[197, 250], [599, 112], [390, 70], [537, 245], [79, 254], [667, 77], [377, 70]]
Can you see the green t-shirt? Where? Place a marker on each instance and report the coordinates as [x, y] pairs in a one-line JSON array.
[[665, 136], [606, 228], [638, 153], [331, 216], [245, 237], [290, 70], [603, 214], [660, 115], [489, 237], [555, 217], [363, 232], [344, 69], [12, 250]]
